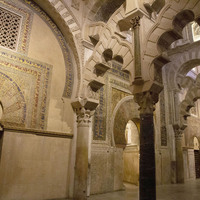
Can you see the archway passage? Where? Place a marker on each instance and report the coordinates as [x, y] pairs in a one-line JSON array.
[[197, 157], [126, 110], [126, 126], [131, 153]]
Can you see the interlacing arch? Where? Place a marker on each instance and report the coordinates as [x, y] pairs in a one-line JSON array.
[[193, 94], [180, 65], [167, 29], [173, 17], [107, 46], [177, 70]]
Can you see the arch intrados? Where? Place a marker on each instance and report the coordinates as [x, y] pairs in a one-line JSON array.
[[169, 36], [118, 59], [107, 55], [182, 19], [187, 66]]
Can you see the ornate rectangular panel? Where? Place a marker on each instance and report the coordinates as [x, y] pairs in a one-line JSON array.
[[9, 29], [24, 85], [109, 98], [15, 26]]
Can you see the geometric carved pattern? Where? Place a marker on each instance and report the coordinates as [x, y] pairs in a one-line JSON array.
[[117, 71], [24, 86], [100, 116], [162, 119], [162, 108], [99, 127], [163, 136], [9, 29], [16, 21], [14, 105]]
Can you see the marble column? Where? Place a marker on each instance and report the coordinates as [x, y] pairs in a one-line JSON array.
[[137, 51], [179, 156], [82, 147], [147, 179]]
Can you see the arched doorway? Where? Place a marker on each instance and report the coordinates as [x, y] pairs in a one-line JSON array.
[[197, 157], [131, 153], [125, 131]]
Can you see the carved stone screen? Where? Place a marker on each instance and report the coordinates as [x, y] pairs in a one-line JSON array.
[[9, 29]]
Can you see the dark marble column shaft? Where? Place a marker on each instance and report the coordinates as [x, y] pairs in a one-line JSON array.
[[147, 185], [147, 189]]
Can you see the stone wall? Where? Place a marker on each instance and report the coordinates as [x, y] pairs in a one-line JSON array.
[[37, 71], [192, 130], [106, 169], [34, 167], [37, 78], [131, 165]]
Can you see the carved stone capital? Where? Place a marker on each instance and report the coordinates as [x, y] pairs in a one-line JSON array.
[[84, 109], [84, 116], [146, 101], [178, 132], [135, 22]]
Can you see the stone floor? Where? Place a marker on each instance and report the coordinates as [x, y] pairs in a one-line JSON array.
[[188, 191]]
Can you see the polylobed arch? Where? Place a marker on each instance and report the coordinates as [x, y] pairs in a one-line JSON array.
[[178, 23], [181, 64], [193, 94], [167, 23], [118, 48]]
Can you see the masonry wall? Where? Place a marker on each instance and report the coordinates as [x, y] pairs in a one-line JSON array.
[[35, 93], [34, 167]]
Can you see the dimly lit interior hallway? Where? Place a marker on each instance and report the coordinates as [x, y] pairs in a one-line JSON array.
[[94, 93]]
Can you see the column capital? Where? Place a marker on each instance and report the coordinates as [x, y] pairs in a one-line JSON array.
[[84, 116], [146, 101], [135, 22], [84, 110], [178, 132]]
